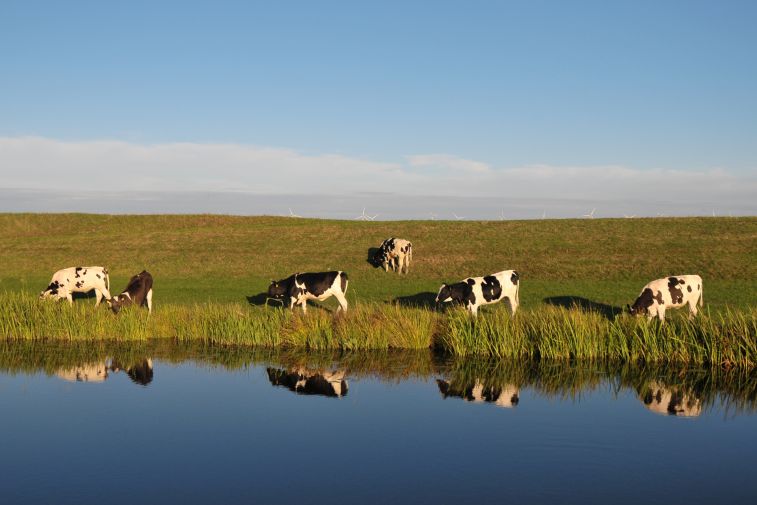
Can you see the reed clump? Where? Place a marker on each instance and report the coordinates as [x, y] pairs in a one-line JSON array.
[[726, 338]]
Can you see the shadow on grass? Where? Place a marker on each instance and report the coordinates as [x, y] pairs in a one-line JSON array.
[[262, 299], [424, 300], [585, 305]]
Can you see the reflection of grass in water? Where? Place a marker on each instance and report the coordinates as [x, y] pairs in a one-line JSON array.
[[734, 389]]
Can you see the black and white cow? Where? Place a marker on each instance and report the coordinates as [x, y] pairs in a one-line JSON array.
[[298, 288], [395, 253], [507, 395], [72, 280], [326, 383], [474, 292], [670, 400], [669, 293], [138, 292]]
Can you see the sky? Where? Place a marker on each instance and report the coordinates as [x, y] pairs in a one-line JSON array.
[[639, 107]]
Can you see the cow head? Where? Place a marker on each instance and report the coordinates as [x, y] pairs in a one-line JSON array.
[[646, 299], [51, 291], [276, 290], [380, 257], [118, 302], [444, 295]]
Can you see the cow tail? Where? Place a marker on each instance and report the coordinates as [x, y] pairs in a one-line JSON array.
[[701, 295], [343, 278]]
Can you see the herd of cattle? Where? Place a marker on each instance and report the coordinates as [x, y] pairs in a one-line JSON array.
[[471, 293]]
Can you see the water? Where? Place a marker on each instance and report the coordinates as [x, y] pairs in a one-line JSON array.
[[163, 423]]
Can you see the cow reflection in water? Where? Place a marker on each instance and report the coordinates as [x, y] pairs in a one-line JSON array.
[[308, 382], [506, 396], [139, 372], [670, 400]]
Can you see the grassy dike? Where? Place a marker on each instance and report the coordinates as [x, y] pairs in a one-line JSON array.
[[576, 274]]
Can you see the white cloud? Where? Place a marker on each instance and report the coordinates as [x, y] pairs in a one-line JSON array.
[[104, 165], [447, 162]]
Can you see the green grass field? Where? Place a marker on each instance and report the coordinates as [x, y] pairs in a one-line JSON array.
[[575, 276], [225, 259]]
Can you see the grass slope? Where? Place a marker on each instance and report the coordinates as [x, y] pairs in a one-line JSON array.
[[601, 263]]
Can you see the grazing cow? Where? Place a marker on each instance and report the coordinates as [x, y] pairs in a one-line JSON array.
[[395, 253], [669, 293], [138, 292], [506, 396], [474, 292], [72, 280], [662, 399], [139, 372], [88, 372], [332, 384], [298, 288]]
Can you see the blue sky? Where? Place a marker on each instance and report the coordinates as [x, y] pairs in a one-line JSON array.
[[642, 85]]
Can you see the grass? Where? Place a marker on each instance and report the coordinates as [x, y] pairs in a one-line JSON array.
[[723, 338], [211, 258], [576, 274]]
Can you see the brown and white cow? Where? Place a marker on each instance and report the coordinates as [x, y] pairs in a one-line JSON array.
[[669, 293], [72, 280], [396, 253], [474, 292], [138, 292], [298, 288]]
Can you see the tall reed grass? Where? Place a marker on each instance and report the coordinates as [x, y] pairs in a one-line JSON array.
[[727, 338]]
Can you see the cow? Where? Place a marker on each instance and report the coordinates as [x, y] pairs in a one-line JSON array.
[[474, 292], [138, 292], [301, 381], [88, 372], [298, 288], [668, 293], [662, 399], [395, 253], [507, 396], [140, 372], [72, 280]]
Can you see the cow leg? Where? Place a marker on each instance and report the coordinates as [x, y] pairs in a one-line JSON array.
[[149, 301], [513, 305], [98, 297], [661, 314], [304, 304], [70, 299], [473, 310], [693, 309], [342, 301]]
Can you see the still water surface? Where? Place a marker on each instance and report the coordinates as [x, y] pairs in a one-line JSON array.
[[161, 423]]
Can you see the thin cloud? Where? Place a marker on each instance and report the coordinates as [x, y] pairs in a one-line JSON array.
[[105, 165]]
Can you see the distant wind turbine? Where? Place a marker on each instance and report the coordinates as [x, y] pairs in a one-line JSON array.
[[366, 217], [544, 214], [502, 215], [590, 215], [458, 218], [432, 215], [292, 214]]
